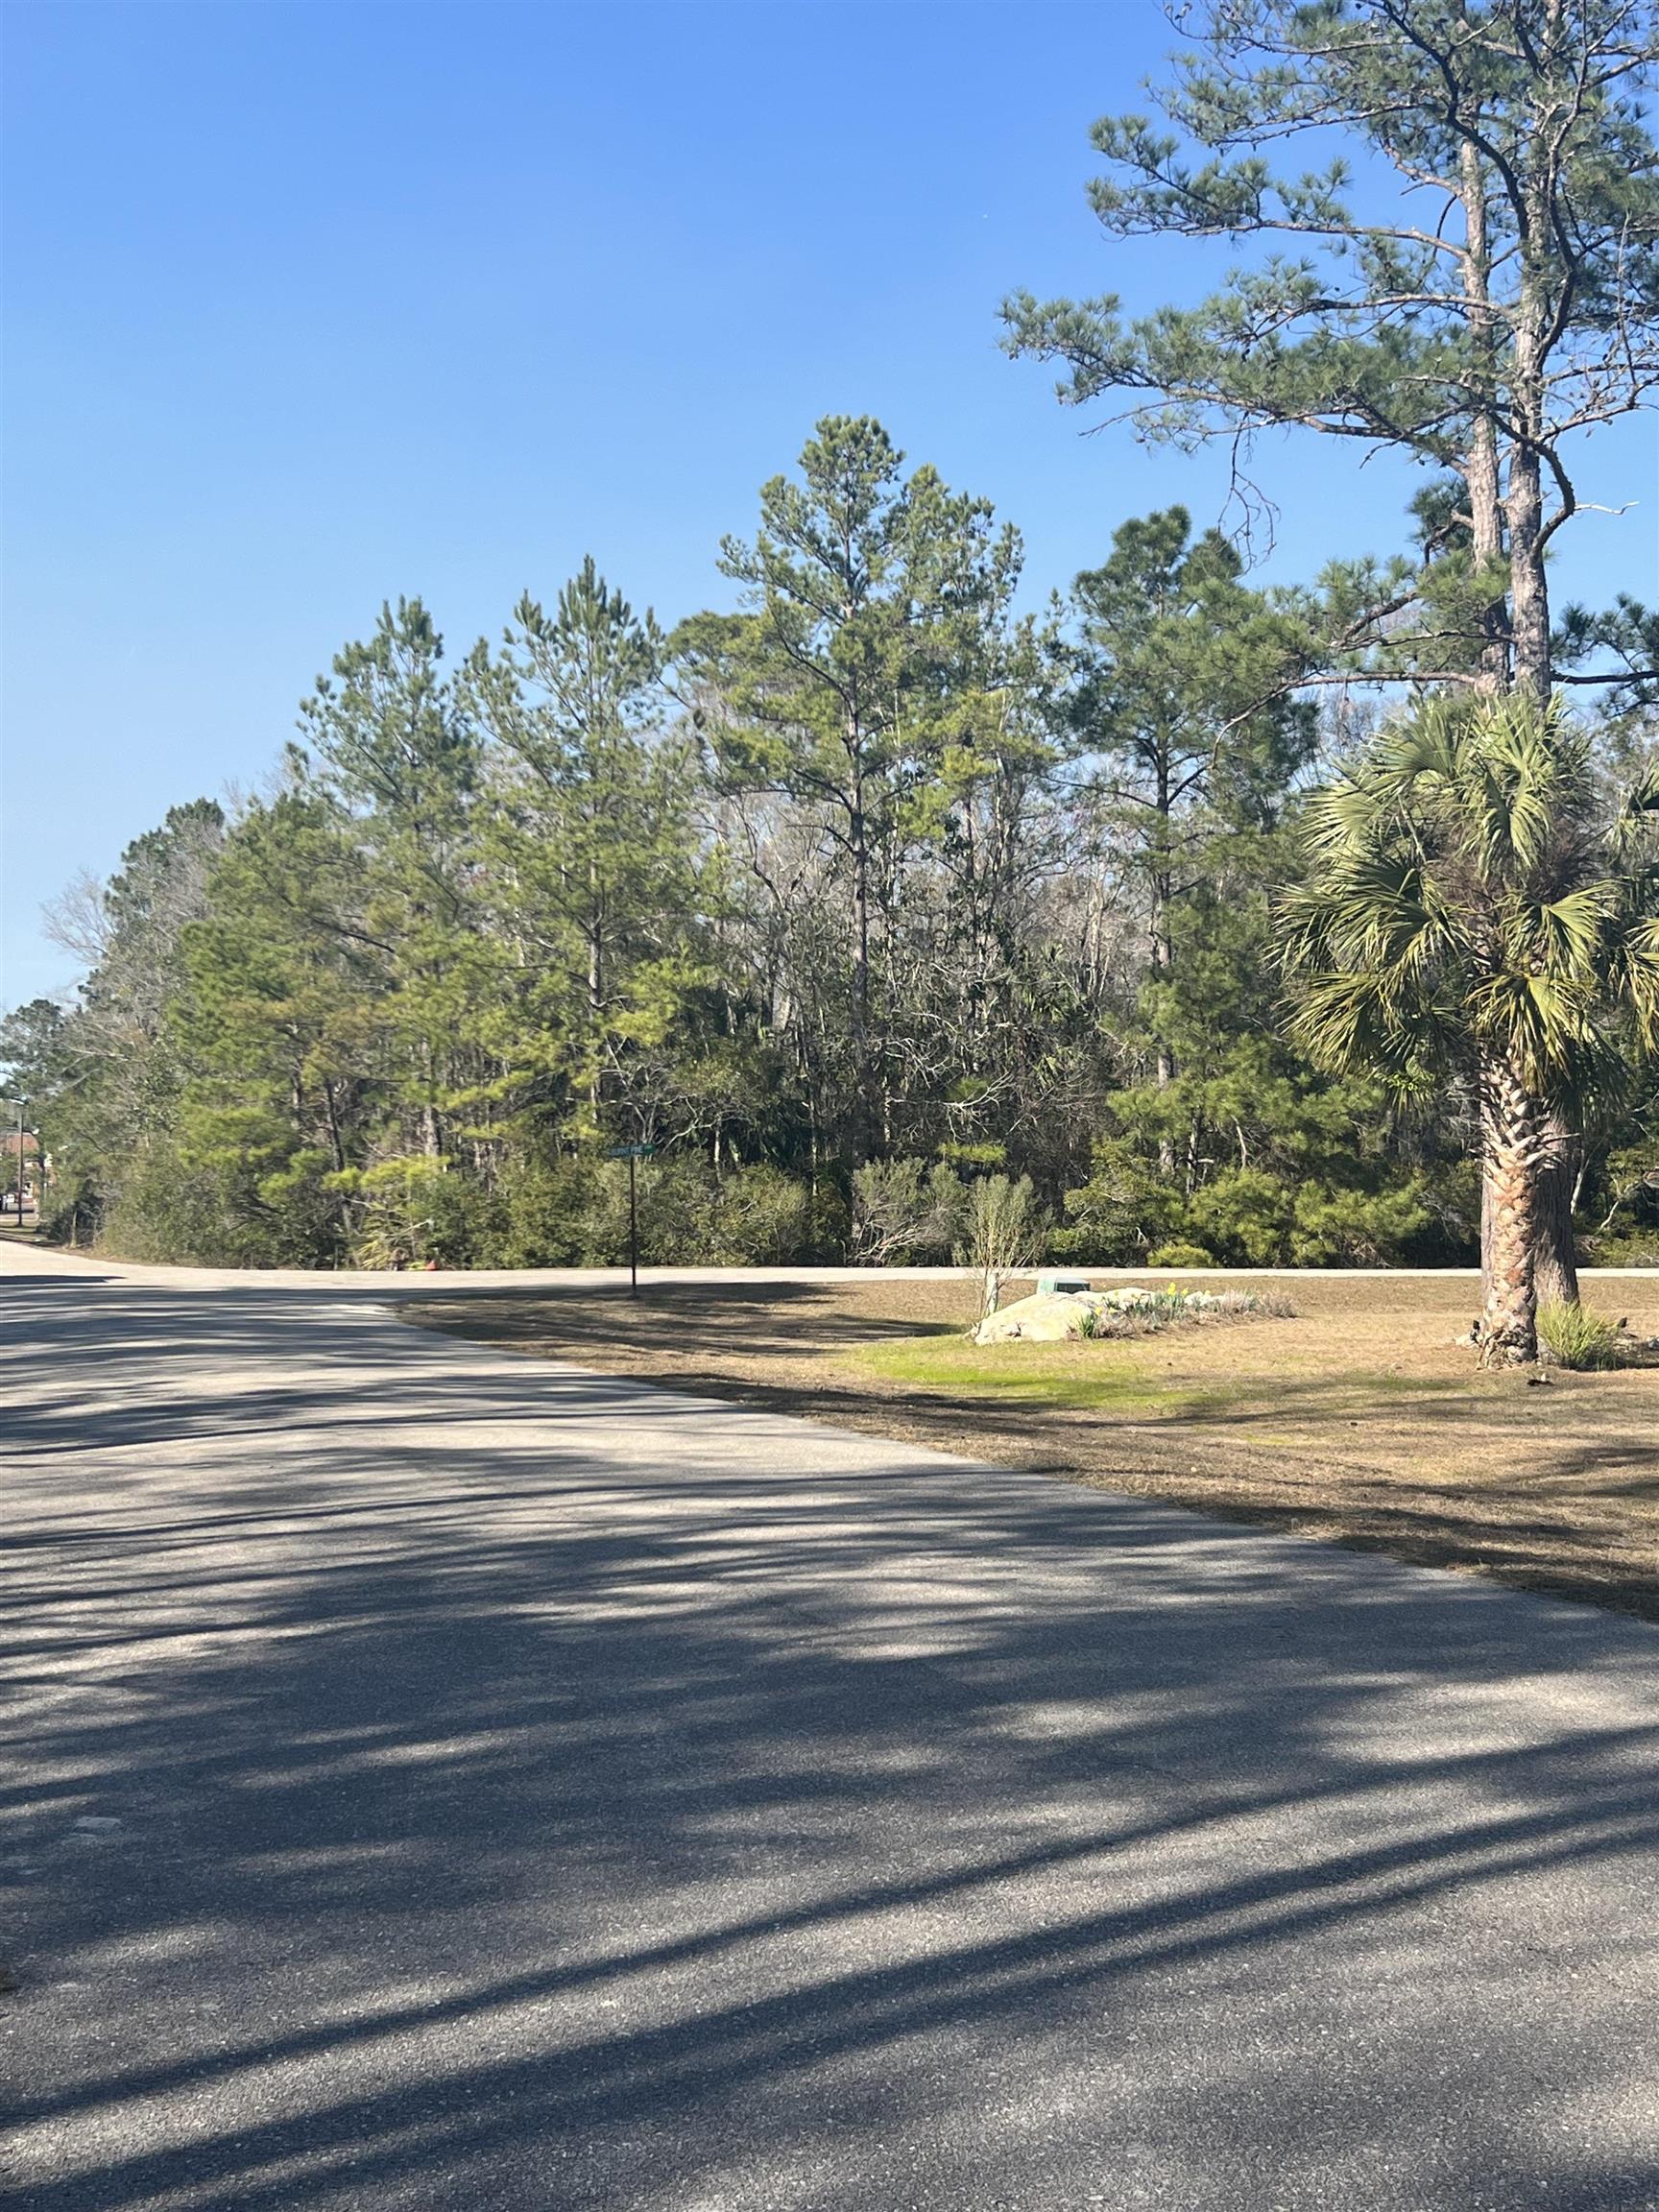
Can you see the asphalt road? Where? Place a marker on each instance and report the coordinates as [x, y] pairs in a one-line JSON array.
[[443, 1780]]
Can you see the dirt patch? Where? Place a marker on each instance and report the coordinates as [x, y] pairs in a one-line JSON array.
[[1359, 1419]]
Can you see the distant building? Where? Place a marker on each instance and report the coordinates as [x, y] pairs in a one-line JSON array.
[[32, 1165]]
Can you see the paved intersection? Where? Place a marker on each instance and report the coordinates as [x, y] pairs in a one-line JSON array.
[[442, 1780]]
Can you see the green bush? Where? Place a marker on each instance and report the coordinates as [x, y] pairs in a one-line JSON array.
[[415, 1209], [1356, 1228], [72, 1207], [1179, 1255], [826, 1235], [1246, 1216], [1003, 1231], [539, 1215], [688, 1217], [1250, 1219], [302, 1205], [571, 1210], [672, 1202], [235, 1190], [1575, 1338], [906, 1213], [758, 1217], [1639, 1249], [1124, 1206], [169, 1209]]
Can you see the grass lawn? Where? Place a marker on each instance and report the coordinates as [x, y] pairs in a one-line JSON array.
[[1360, 1418]]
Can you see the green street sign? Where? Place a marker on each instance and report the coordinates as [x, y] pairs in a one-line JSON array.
[[631, 1152]]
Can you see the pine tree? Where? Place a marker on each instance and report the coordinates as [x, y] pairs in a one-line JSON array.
[[1499, 303], [1182, 712], [861, 591], [387, 740], [590, 856]]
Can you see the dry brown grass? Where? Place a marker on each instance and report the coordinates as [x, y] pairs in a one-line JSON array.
[[1359, 1419]]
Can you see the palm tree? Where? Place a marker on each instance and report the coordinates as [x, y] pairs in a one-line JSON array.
[[1477, 911]]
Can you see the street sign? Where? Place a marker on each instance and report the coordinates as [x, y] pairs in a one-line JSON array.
[[632, 1152]]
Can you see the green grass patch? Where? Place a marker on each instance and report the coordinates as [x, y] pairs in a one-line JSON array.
[[1109, 1377], [1081, 1375]]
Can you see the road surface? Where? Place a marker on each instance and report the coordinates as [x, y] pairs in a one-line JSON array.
[[444, 1780]]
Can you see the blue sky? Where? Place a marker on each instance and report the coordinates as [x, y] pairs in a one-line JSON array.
[[310, 305]]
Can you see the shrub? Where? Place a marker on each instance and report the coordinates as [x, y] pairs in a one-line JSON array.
[[1575, 1338], [172, 1210], [415, 1209], [758, 1217], [690, 1217], [1180, 1255], [1135, 1311], [236, 1192], [673, 1208], [827, 1234], [1639, 1249], [539, 1215], [1124, 1205], [1357, 1228], [302, 1204], [72, 1207], [1004, 1232], [1246, 1216], [905, 1213]]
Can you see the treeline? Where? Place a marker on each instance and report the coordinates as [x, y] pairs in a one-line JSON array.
[[843, 901]]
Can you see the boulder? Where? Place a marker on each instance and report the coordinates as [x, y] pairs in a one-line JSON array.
[[1047, 1318]]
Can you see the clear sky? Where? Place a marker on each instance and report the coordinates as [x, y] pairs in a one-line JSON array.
[[310, 305]]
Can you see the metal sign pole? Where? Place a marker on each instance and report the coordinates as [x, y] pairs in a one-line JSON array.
[[633, 1154]]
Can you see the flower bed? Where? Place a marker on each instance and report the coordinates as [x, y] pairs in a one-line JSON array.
[[1130, 1311]]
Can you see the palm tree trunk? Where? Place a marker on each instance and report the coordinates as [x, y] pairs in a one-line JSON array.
[[1511, 1146]]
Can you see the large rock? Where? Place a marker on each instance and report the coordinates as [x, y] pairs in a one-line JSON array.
[[1047, 1318]]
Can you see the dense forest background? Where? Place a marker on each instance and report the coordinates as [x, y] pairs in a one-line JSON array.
[[844, 900]]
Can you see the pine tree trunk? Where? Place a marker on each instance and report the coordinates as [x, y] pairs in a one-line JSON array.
[[431, 1134], [1162, 947], [1524, 505], [1512, 1144], [863, 1097], [1480, 471], [1557, 1265], [1529, 589], [593, 932]]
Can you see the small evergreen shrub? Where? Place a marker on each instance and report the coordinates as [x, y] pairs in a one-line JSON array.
[[539, 1218], [1639, 1249], [1575, 1338], [415, 1209], [757, 1217], [1179, 1255]]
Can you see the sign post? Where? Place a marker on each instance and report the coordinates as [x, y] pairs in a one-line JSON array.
[[633, 1154]]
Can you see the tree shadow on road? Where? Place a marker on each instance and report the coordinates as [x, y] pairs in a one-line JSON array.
[[539, 1790]]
